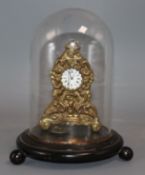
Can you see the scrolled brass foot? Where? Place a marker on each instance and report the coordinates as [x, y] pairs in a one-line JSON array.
[[45, 123], [96, 126]]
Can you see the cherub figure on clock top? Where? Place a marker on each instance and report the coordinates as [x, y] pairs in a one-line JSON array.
[[71, 76]]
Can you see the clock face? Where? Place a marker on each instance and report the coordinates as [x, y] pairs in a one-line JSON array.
[[71, 79]]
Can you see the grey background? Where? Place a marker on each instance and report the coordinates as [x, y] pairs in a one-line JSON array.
[[126, 20]]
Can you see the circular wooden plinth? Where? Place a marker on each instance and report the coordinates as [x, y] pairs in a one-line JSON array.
[[69, 153]]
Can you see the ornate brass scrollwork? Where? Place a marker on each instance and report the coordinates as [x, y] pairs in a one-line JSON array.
[[71, 107]]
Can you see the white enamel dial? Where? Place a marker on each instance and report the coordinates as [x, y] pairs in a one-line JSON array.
[[71, 79]]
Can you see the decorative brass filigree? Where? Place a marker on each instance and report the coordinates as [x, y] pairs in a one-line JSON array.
[[71, 107]]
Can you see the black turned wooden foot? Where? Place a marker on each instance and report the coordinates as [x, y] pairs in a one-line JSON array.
[[17, 157], [126, 153]]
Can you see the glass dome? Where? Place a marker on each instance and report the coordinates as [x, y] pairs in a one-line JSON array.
[[92, 39], [71, 79]]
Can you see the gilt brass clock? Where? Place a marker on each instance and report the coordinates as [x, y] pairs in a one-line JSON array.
[[71, 92], [72, 78]]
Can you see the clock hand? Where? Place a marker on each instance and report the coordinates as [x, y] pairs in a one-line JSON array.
[[69, 77]]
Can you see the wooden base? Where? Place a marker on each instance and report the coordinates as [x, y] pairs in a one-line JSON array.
[[69, 153]]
